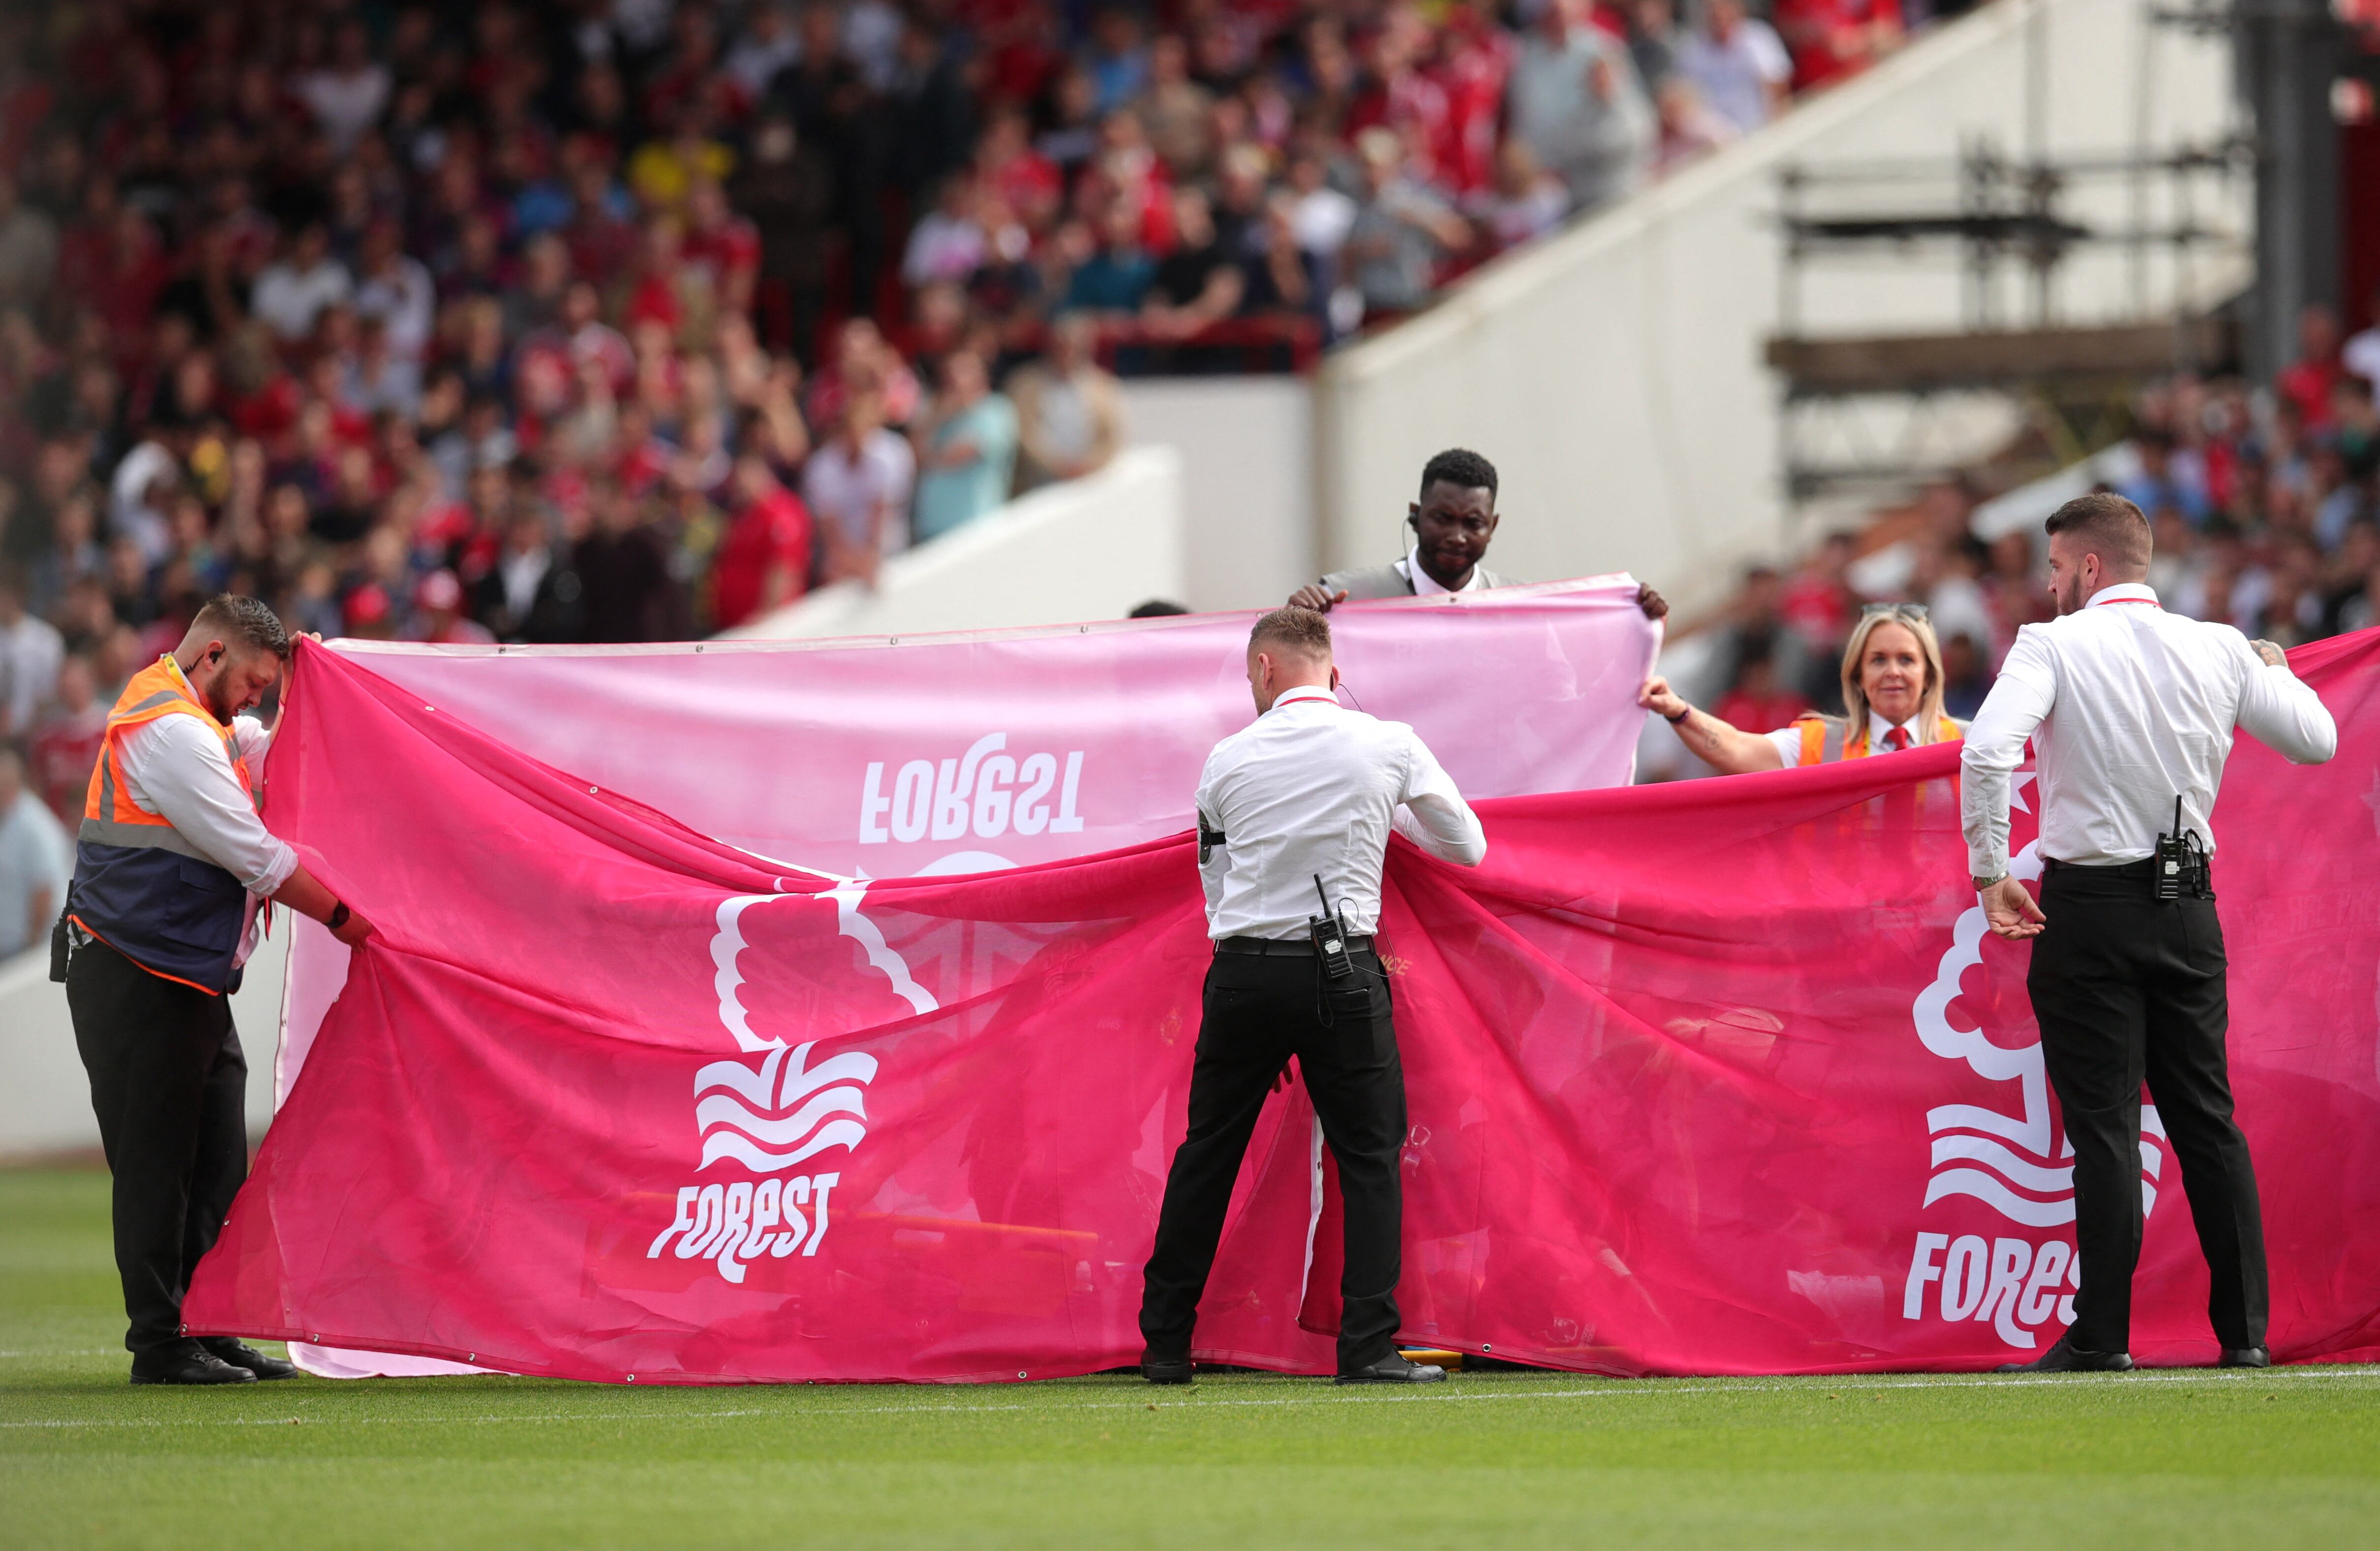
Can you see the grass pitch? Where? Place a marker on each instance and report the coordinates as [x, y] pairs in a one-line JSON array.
[[2169, 1459]]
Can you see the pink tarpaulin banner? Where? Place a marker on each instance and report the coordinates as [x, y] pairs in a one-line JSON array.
[[885, 757], [1721, 1078], [951, 753]]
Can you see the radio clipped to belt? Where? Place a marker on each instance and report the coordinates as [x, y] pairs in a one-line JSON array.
[[2183, 871], [1329, 930], [66, 935]]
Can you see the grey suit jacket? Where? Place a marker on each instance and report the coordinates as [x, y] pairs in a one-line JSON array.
[[1390, 581]]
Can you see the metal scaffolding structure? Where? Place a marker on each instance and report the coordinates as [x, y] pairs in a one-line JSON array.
[[2005, 216], [2000, 219]]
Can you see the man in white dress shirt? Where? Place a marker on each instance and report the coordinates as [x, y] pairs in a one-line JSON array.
[[1294, 808], [2129, 708]]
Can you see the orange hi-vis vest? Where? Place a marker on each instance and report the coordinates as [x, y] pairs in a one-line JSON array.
[[1822, 738], [138, 885]]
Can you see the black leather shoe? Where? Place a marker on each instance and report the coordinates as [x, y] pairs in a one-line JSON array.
[[2244, 1357], [2068, 1358], [239, 1354], [186, 1363], [1395, 1368], [1165, 1369]]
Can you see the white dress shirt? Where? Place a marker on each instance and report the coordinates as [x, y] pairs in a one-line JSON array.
[[1311, 788], [1425, 585], [176, 768], [2128, 707]]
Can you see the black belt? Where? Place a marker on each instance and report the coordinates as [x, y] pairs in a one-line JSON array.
[[2141, 875], [1284, 947], [2145, 868]]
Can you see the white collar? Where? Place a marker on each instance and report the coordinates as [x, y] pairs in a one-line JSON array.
[[1425, 585], [2123, 592], [1302, 694], [1879, 728]]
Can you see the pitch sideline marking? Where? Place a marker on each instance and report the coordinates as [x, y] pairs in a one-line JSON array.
[[2187, 1377]]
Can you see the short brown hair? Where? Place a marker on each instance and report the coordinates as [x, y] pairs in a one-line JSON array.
[[2110, 526], [243, 621], [1302, 630]]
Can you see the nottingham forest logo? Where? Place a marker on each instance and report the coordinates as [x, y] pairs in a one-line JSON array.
[[773, 1110], [768, 1119], [2006, 1155]]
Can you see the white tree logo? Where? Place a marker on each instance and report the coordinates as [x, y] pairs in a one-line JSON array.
[[771, 1116], [2011, 1159]]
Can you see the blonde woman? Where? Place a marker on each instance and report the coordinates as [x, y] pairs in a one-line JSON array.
[[1892, 687]]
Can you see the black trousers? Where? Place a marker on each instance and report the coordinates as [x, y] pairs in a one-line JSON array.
[[1258, 1012], [2126, 988], [170, 1088]]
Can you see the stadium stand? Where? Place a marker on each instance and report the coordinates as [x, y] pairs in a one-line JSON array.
[[375, 310]]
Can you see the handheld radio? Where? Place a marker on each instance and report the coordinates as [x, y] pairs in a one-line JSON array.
[[1330, 937], [2182, 871]]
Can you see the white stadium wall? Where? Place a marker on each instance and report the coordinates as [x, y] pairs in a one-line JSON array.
[[44, 1099], [1614, 373], [1089, 549], [1249, 482]]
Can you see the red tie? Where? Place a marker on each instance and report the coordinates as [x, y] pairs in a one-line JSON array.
[[1897, 739]]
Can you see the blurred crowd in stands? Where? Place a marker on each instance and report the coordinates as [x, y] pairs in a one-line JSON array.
[[607, 320], [616, 320], [2263, 506]]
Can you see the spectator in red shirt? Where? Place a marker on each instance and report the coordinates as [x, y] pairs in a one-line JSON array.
[[1757, 702], [721, 246], [1396, 92], [602, 239], [125, 283], [1475, 61], [862, 353], [1818, 601], [66, 741], [1007, 166], [2307, 380], [1831, 38], [653, 296], [437, 614], [765, 561]]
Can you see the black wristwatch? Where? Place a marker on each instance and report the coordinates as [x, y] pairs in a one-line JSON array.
[[339, 913]]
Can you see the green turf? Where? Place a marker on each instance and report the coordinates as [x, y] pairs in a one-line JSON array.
[[2161, 1460]]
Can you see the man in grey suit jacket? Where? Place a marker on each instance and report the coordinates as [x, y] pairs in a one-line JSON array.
[[1451, 524]]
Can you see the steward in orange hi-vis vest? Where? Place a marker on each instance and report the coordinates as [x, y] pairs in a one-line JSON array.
[[138, 885], [157, 924], [1822, 738]]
